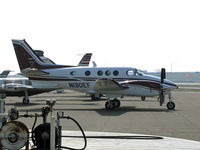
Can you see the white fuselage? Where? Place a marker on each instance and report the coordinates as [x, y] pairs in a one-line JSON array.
[[83, 79]]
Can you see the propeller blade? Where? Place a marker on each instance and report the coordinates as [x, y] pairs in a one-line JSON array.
[[163, 75], [162, 97]]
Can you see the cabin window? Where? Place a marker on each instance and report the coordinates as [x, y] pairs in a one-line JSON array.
[[130, 72], [100, 72], [108, 72], [87, 73], [18, 81], [116, 73], [73, 73], [8, 81]]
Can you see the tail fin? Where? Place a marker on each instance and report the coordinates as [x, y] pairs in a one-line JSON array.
[[5, 73], [85, 61], [27, 58]]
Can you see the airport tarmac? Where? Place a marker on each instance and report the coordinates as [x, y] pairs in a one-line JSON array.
[[134, 116]]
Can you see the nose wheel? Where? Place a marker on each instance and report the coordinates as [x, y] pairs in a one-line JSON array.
[[171, 105], [143, 98], [25, 100]]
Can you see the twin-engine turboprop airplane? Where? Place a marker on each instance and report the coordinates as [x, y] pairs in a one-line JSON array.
[[18, 85], [113, 82]]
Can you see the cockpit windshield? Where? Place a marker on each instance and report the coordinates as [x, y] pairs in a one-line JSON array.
[[138, 72]]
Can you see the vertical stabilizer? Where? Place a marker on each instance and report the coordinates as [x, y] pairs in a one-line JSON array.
[[27, 57]]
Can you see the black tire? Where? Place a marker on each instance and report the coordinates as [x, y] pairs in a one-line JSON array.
[[93, 97], [116, 103], [109, 105], [171, 105], [25, 101], [143, 98]]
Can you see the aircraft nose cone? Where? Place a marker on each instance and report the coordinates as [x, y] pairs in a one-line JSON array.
[[175, 85], [172, 84]]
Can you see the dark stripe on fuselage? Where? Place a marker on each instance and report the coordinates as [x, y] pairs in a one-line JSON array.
[[147, 83], [52, 79]]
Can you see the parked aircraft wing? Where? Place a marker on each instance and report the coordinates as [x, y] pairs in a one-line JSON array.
[[108, 85], [33, 72], [16, 87]]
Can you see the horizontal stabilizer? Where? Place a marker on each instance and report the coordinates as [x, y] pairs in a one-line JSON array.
[[108, 85]]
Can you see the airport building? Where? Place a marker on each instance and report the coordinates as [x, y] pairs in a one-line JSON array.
[[180, 77]]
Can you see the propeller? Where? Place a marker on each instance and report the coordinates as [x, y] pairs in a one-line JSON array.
[[162, 77]]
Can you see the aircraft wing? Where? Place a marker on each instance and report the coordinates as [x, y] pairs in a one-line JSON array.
[[108, 85], [28, 72]]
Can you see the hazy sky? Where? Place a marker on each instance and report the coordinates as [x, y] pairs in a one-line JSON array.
[[146, 34]]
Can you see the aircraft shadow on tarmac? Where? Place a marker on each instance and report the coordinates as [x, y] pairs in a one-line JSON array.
[[118, 111], [101, 111], [85, 102], [60, 95]]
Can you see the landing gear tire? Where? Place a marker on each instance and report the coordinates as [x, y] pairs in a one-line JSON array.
[[116, 103], [25, 101], [109, 105], [171, 105], [93, 97], [143, 98]]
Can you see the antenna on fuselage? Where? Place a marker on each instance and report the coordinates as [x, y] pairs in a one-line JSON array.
[[94, 63]]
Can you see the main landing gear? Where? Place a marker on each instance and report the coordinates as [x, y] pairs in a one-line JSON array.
[[111, 104], [26, 99]]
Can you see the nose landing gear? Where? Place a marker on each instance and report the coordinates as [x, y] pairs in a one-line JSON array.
[[170, 105]]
